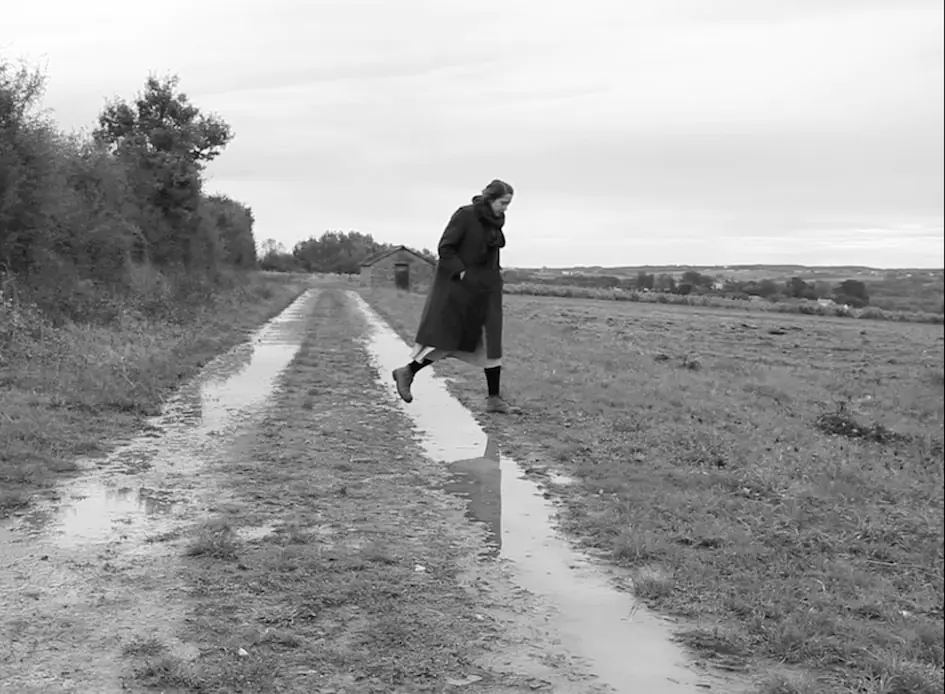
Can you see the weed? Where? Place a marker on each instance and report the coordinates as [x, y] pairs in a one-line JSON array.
[[215, 540]]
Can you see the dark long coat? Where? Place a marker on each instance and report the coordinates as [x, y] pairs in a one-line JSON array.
[[456, 310]]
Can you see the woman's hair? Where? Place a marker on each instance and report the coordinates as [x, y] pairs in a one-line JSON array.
[[496, 189]]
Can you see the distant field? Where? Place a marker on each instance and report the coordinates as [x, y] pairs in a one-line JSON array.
[[901, 294], [565, 291], [774, 480]]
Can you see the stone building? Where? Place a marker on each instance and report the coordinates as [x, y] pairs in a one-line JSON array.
[[397, 267]]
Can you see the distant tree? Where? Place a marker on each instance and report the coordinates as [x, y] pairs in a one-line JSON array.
[[273, 256], [234, 224], [270, 246], [696, 281], [664, 282], [166, 142], [645, 280], [822, 289], [853, 288], [797, 288], [767, 288], [336, 251], [852, 292]]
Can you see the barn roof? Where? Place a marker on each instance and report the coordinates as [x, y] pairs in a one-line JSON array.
[[375, 257]]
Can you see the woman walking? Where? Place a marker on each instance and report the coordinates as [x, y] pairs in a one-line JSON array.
[[462, 317]]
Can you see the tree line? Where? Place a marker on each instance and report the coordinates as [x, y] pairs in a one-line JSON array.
[[850, 292], [84, 213], [333, 252]]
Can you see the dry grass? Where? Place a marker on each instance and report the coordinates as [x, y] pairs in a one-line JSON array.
[[71, 390], [702, 444]]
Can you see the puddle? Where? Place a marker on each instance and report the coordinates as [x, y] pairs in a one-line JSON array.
[[96, 568], [127, 495], [630, 649], [479, 481]]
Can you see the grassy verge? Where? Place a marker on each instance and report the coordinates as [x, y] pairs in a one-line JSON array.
[[332, 566], [72, 390], [776, 480]]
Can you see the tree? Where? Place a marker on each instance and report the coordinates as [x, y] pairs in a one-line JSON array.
[[645, 280], [664, 282], [270, 246], [78, 213], [336, 251], [854, 288], [164, 121], [28, 171], [234, 224], [852, 292], [341, 252], [767, 288], [696, 281], [799, 289], [166, 142]]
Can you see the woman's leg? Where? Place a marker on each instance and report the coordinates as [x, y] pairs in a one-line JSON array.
[[493, 371], [420, 358], [493, 379]]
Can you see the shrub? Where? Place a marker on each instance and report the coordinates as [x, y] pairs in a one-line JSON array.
[[89, 221]]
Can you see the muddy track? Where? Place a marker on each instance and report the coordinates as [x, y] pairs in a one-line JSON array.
[[289, 525]]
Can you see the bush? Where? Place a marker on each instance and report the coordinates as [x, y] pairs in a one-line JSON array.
[[88, 222]]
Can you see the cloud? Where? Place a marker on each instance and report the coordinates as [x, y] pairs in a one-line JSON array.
[[643, 130]]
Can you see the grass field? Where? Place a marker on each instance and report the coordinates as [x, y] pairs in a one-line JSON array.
[[804, 307], [775, 480], [73, 390]]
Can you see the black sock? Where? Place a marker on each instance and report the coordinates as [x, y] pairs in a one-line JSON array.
[[416, 366], [492, 379]]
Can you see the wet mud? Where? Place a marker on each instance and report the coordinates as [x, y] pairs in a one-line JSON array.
[[87, 576], [589, 611]]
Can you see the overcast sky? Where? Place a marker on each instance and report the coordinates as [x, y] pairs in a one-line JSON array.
[[664, 131]]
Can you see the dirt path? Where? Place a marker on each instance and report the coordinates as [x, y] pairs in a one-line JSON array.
[[292, 527]]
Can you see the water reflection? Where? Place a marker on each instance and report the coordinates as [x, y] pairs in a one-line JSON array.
[[630, 649], [479, 481], [121, 497]]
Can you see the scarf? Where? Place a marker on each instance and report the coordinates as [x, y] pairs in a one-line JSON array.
[[492, 222]]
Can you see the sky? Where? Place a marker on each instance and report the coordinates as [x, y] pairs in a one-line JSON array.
[[659, 132]]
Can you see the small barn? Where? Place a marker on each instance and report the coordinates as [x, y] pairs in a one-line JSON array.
[[398, 267]]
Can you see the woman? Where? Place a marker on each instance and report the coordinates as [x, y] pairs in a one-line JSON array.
[[462, 317]]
